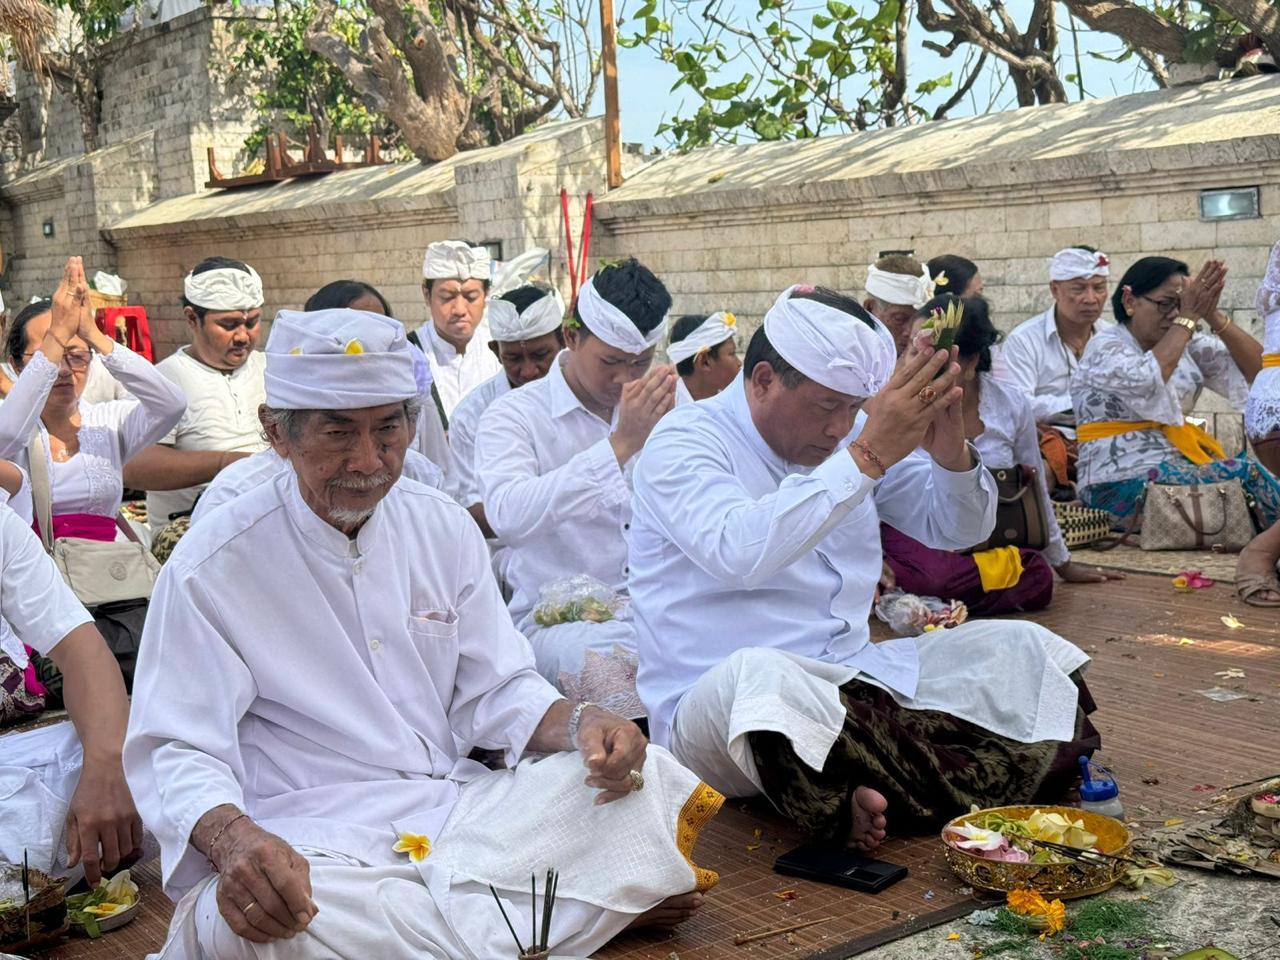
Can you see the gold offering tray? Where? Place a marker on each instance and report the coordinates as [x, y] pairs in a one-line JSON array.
[[1062, 881]]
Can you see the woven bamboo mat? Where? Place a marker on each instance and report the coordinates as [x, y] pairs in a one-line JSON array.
[[1165, 563], [1169, 746]]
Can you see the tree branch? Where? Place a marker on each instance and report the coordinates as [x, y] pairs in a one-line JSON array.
[[963, 90], [1135, 25]]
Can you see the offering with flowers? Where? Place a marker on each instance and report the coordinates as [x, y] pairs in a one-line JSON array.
[[995, 835], [944, 325]]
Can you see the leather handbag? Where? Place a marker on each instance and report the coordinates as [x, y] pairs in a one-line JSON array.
[[97, 572], [1198, 516], [1020, 515]]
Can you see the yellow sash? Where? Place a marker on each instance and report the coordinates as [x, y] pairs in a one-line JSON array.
[[1271, 359], [1192, 442], [1000, 568]]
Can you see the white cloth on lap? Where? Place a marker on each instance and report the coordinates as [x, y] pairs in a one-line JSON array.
[[39, 770]]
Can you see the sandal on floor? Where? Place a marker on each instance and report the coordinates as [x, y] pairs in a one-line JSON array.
[[1248, 587]]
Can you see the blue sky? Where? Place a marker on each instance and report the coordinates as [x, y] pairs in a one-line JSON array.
[[644, 81]]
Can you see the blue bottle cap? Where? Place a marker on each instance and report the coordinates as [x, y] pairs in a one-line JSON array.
[[1098, 790]]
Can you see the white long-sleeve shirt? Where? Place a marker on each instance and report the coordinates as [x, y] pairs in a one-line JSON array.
[[731, 546], [463, 426], [1119, 380], [329, 687], [552, 488], [36, 602], [1035, 360], [1009, 439], [92, 481], [457, 374]]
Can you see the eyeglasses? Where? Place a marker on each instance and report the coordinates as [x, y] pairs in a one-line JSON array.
[[76, 359], [1164, 306]]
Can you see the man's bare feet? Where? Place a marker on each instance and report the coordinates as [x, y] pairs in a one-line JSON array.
[[670, 913], [1256, 566], [868, 819]]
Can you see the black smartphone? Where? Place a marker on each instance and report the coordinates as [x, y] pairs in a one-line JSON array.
[[824, 863]]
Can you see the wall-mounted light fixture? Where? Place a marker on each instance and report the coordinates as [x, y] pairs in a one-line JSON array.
[[46, 228], [1236, 203], [495, 249]]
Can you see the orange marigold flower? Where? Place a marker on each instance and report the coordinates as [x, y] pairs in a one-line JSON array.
[[1029, 903]]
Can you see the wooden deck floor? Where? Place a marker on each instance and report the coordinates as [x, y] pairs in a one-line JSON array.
[[1167, 744]]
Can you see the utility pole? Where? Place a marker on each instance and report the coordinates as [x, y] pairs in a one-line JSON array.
[[612, 124]]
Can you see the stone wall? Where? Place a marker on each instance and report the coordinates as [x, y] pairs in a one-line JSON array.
[[369, 224], [170, 78]]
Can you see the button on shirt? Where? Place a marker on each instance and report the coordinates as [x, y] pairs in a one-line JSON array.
[[222, 414], [1034, 358], [552, 488], [457, 374]]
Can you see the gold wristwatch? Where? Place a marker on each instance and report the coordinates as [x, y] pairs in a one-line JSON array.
[[1187, 322]]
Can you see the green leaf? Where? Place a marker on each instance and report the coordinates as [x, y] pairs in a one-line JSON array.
[[820, 48], [938, 83]]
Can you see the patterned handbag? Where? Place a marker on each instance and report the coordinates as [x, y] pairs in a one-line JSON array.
[[1081, 526], [1197, 516]]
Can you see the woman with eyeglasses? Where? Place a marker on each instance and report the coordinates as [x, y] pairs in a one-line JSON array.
[[1137, 382], [50, 344]]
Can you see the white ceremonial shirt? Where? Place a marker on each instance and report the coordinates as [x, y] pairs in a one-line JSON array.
[[92, 481], [552, 489], [457, 374], [1118, 380], [37, 603], [1262, 412], [732, 547], [249, 473], [329, 687], [222, 414], [100, 386], [1009, 438], [1034, 358], [463, 425]]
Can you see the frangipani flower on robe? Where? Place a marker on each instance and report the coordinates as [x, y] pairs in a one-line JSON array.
[[416, 845]]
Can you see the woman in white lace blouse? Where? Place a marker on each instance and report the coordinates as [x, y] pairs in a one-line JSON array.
[[85, 445], [1137, 381], [1256, 580], [999, 422]]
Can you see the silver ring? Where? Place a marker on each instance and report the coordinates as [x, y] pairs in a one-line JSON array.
[[637, 780]]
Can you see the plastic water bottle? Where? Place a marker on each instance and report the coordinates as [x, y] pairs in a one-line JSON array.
[[1099, 792]]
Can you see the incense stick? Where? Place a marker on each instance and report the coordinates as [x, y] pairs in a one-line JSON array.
[[533, 910], [776, 931], [1075, 853], [519, 946]]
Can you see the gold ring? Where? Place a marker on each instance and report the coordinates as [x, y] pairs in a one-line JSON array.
[[927, 394], [637, 779], [245, 910]]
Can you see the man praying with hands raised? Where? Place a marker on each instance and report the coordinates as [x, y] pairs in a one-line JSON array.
[[754, 559], [554, 461]]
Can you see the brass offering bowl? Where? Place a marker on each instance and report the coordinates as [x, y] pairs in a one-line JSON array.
[[1060, 881]]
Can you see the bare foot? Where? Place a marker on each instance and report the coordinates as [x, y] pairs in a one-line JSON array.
[[669, 914], [868, 819], [1259, 558]]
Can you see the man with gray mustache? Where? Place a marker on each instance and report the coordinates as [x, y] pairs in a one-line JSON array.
[[322, 654]]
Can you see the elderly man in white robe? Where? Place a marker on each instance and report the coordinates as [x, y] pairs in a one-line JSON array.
[[455, 284], [526, 326], [322, 654], [1041, 355], [554, 461], [754, 560], [897, 286]]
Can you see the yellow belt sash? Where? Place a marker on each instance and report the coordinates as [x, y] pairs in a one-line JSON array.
[[1271, 359], [999, 568], [1191, 441]]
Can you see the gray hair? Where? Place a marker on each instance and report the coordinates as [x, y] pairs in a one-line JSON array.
[[291, 422]]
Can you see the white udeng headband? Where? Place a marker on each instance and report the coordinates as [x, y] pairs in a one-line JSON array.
[[612, 325], [541, 317], [900, 288], [455, 260], [226, 288], [1073, 263], [716, 329], [829, 346]]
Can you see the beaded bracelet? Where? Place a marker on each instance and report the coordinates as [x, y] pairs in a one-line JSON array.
[[870, 455], [218, 836]]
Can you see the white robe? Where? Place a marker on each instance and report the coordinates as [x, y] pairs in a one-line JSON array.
[[733, 548], [1034, 359], [457, 374], [331, 688]]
